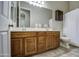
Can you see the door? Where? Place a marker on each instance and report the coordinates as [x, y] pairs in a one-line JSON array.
[[4, 22], [41, 43], [30, 45], [55, 41], [16, 47], [48, 42], [4, 8]]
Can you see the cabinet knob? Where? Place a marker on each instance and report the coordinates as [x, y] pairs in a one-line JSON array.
[[10, 25]]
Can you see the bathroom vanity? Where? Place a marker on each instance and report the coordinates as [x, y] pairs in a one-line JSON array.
[[25, 43], [30, 33], [31, 37]]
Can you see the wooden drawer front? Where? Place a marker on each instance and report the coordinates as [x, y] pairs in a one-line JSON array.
[[53, 33], [22, 34], [48, 33], [41, 44], [41, 33], [30, 45]]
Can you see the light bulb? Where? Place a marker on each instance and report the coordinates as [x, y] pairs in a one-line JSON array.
[[34, 4], [37, 3], [42, 2], [31, 2]]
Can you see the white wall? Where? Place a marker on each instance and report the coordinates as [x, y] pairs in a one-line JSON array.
[[73, 5]]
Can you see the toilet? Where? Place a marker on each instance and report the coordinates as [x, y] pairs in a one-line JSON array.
[[65, 41]]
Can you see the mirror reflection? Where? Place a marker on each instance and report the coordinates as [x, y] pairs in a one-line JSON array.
[[24, 18], [30, 14]]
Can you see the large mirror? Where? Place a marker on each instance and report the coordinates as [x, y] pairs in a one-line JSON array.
[[32, 16]]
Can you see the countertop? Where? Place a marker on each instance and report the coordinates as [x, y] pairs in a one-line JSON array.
[[31, 29]]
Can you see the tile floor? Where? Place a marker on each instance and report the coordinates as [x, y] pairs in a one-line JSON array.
[[60, 52]]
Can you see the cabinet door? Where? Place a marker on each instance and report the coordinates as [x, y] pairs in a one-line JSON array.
[[30, 45], [48, 42], [16, 47], [55, 41], [41, 44]]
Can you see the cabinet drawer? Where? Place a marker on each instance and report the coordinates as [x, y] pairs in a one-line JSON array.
[[41, 33], [48, 33], [22, 34], [53, 33]]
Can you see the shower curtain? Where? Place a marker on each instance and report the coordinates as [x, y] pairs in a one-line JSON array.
[[71, 26]]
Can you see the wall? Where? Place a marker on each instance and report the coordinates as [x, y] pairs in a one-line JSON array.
[[73, 5], [54, 5]]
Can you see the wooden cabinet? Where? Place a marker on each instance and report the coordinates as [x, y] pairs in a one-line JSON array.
[[41, 44], [58, 15], [30, 45], [16, 47]]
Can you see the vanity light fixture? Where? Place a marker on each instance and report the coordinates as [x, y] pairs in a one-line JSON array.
[[37, 3]]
